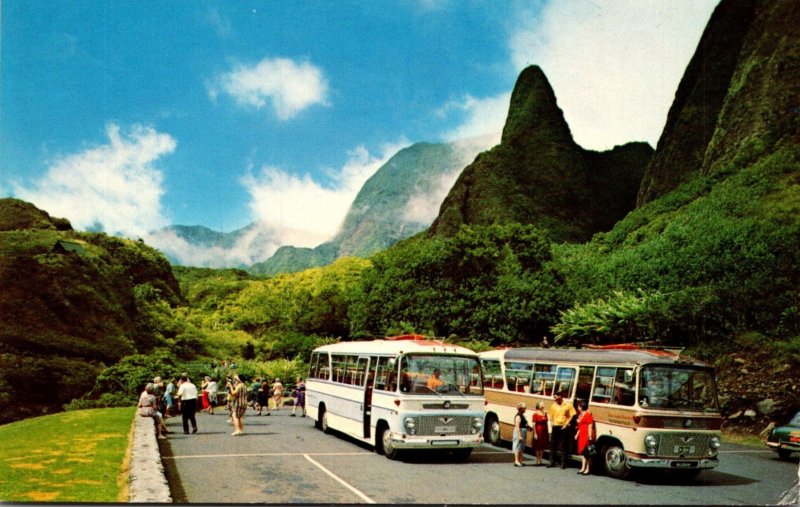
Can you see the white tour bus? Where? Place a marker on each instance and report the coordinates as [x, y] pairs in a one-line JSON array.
[[653, 408], [404, 392]]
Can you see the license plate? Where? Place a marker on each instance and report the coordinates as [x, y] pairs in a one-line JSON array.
[[444, 429], [684, 464], [683, 449]]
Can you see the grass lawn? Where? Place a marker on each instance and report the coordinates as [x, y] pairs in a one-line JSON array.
[[77, 456]]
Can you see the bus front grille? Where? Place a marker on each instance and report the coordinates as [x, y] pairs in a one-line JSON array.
[[444, 425], [683, 444]]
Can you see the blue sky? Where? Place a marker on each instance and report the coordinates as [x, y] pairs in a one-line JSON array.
[[129, 116]]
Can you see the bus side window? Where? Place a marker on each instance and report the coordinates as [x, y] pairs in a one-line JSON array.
[[623, 389], [603, 380], [492, 374], [585, 375]]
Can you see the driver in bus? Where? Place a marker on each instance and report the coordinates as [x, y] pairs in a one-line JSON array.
[[435, 381]]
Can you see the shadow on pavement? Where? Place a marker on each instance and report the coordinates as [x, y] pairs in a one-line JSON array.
[[710, 478], [171, 473]]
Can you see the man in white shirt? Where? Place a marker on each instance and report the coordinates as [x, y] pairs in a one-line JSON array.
[[187, 392]]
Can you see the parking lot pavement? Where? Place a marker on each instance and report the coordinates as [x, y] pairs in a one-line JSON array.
[[282, 459]]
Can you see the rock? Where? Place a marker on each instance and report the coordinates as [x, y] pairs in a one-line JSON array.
[[750, 413], [765, 431], [766, 407], [739, 360], [735, 415]]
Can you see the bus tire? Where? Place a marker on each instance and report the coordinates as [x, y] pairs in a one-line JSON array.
[[615, 463], [323, 420], [491, 432], [385, 442]]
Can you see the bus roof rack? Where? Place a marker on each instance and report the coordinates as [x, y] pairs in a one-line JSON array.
[[637, 346], [408, 337]]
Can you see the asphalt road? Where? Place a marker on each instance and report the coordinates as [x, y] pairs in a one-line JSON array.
[[283, 459]]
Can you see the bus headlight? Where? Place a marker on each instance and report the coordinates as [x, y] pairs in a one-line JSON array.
[[411, 425], [651, 443], [477, 424], [713, 445]]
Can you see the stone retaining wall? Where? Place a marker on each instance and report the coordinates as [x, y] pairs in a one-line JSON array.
[[147, 481]]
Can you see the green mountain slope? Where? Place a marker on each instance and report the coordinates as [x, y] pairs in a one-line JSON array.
[[539, 176], [398, 201], [716, 257], [70, 303]]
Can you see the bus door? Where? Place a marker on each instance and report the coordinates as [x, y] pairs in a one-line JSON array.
[[368, 383]]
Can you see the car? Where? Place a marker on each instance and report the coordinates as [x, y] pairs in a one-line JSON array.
[[786, 439]]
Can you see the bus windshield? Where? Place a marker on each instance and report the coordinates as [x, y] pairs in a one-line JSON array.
[[438, 375], [678, 388]]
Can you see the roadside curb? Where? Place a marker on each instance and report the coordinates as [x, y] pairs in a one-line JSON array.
[[147, 480]]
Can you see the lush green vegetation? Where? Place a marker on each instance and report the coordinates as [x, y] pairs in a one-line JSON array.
[[76, 456], [713, 265], [69, 312], [718, 257]]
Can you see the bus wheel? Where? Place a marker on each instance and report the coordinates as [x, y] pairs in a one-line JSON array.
[[323, 421], [615, 462], [491, 433], [388, 448]]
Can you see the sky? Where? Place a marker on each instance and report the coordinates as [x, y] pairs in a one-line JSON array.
[[127, 117]]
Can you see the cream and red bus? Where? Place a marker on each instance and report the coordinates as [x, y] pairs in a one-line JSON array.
[[404, 392], [653, 408]]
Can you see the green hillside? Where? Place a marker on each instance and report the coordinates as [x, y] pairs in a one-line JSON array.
[[538, 175], [71, 302]]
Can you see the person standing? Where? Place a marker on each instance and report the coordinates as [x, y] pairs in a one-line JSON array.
[[540, 438], [561, 413], [277, 393], [204, 394], [299, 397], [519, 435], [263, 396], [169, 398], [238, 405], [585, 435], [211, 389], [187, 392]]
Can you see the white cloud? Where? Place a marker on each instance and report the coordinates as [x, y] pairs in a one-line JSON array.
[[114, 185], [303, 212], [287, 86], [423, 206], [256, 244], [483, 117], [614, 64]]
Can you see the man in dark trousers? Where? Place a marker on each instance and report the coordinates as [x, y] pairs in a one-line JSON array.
[[187, 392], [561, 413]]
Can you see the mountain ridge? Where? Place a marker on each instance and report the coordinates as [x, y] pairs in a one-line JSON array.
[[538, 174]]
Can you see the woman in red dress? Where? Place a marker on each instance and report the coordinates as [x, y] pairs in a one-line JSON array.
[[585, 435], [540, 435]]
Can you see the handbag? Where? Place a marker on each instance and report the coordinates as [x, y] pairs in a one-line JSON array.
[[591, 450]]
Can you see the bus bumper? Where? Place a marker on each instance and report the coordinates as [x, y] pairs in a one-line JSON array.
[[405, 441], [673, 464]]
